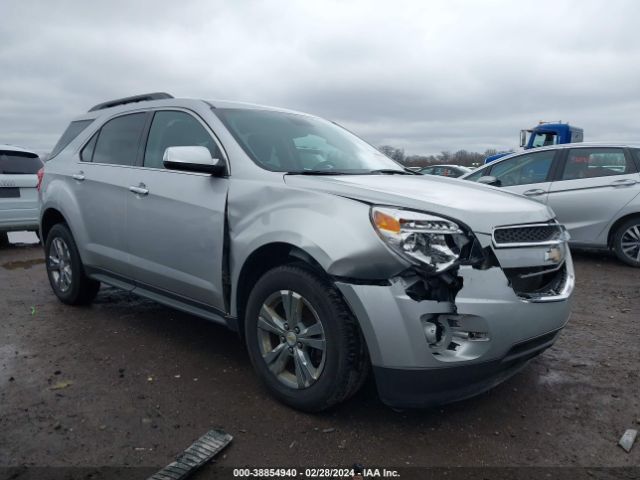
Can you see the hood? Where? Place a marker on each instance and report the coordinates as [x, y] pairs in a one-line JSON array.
[[481, 207]]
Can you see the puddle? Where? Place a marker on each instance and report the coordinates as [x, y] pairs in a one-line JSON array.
[[553, 378], [16, 264]]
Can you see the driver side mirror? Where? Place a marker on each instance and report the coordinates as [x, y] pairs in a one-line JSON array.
[[192, 159], [523, 138], [489, 180]]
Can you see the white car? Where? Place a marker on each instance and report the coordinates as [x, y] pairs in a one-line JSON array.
[[594, 189], [19, 207]]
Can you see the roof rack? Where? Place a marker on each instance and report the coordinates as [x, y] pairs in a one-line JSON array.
[[145, 97]]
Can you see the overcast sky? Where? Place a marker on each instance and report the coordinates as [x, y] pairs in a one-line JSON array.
[[425, 76]]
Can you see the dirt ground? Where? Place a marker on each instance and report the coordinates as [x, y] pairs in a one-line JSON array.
[[127, 382]]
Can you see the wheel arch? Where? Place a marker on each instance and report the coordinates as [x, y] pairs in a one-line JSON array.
[[617, 224], [50, 217], [260, 261]]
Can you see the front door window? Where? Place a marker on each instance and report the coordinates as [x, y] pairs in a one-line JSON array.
[[523, 169], [173, 128]]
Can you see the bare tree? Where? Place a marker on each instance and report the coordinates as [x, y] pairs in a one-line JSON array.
[[461, 157], [392, 152]]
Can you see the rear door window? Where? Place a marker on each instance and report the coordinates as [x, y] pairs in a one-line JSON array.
[[73, 130], [19, 163], [119, 139], [596, 162]]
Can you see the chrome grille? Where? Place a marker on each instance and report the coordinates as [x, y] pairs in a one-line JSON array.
[[527, 235]]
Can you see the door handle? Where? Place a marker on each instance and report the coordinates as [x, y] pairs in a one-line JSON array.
[[624, 182], [534, 192], [79, 176], [141, 189]]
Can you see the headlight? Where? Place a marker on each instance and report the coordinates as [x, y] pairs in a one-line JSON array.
[[433, 242]]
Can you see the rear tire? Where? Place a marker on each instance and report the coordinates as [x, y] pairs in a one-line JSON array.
[[626, 242], [4, 239], [304, 375], [65, 270]]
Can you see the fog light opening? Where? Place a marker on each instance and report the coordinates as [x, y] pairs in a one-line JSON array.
[[452, 337], [471, 336], [432, 332], [437, 333]]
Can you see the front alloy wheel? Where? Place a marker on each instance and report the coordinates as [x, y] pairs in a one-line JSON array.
[[291, 339], [303, 341]]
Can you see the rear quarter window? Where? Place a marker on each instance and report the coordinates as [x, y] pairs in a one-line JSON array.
[[636, 158], [86, 155], [73, 130], [19, 163]]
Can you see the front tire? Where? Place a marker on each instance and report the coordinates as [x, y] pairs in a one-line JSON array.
[[65, 270], [626, 242], [302, 339]]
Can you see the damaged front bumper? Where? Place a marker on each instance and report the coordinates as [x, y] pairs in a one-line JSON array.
[[427, 352]]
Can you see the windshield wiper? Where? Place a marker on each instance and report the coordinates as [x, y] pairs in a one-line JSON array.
[[322, 172], [392, 171], [381, 171]]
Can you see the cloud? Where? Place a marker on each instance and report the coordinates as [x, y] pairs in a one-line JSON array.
[[425, 76]]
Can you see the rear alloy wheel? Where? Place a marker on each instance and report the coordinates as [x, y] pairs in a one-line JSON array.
[[626, 242], [59, 264], [65, 270], [303, 341]]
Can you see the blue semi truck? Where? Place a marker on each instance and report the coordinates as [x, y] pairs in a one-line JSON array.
[[543, 134]]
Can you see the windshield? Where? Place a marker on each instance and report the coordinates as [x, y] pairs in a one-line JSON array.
[[544, 139], [294, 143]]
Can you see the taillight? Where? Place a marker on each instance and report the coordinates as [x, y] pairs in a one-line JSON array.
[[40, 177]]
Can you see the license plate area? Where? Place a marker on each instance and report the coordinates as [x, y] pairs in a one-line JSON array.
[[9, 192]]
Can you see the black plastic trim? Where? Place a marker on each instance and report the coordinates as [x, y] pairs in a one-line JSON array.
[[136, 287], [429, 387]]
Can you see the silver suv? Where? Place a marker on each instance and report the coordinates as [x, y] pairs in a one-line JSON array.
[[327, 257]]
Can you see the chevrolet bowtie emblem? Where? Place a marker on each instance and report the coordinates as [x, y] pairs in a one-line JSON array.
[[554, 254]]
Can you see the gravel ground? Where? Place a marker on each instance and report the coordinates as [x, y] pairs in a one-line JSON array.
[[127, 382]]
